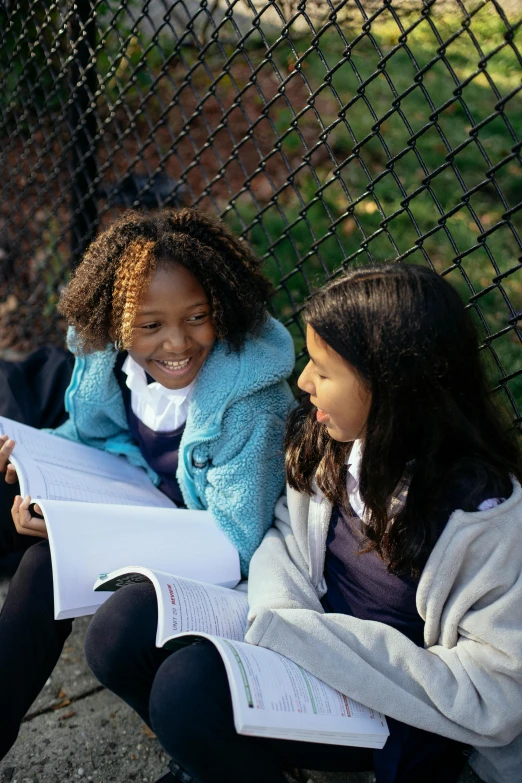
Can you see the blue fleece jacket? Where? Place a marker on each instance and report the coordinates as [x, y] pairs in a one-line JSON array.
[[231, 452]]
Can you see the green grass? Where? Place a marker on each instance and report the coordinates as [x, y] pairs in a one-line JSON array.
[[287, 240]]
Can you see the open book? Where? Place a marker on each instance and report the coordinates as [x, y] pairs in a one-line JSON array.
[[271, 695], [102, 512]]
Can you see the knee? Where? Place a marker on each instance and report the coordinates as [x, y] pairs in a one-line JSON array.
[[36, 564], [121, 631], [34, 575], [190, 699]]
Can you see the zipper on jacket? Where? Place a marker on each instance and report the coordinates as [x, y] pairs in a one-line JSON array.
[[79, 365]]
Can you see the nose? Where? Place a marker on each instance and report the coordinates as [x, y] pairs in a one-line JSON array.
[[305, 382], [176, 340]]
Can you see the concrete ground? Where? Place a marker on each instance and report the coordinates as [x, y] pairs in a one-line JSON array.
[[76, 731]]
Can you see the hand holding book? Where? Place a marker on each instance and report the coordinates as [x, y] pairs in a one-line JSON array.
[[25, 523], [102, 512]]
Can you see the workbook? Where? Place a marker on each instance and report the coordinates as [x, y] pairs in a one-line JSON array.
[[271, 695], [101, 513]]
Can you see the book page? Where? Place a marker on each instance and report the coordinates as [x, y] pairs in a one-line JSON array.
[[274, 697], [52, 467], [88, 539], [185, 605], [53, 483], [54, 450]]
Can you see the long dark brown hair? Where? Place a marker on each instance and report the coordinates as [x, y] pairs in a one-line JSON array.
[[406, 333]]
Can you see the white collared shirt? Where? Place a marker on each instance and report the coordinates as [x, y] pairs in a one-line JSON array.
[[353, 464], [160, 409]]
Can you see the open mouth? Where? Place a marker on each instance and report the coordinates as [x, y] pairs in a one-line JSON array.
[[173, 367], [321, 416]]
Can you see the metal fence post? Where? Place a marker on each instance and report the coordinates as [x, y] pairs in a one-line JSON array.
[[82, 126]]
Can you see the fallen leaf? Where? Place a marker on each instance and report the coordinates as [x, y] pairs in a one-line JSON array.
[[63, 703], [67, 715], [148, 732]]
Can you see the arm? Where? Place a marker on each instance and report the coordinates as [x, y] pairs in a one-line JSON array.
[[246, 477], [278, 577], [470, 690], [24, 522]]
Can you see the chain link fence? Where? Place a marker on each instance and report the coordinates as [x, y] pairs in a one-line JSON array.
[[327, 133]]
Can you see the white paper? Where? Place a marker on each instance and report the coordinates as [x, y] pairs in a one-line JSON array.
[[52, 467], [274, 697], [194, 606], [87, 540], [186, 605]]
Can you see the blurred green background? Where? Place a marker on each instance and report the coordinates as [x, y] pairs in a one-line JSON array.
[[327, 138]]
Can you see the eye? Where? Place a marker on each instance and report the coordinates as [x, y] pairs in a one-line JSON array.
[[148, 327], [198, 317]]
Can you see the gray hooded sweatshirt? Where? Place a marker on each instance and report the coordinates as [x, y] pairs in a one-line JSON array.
[[465, 683]]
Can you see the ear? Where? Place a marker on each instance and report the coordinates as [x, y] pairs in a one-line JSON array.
[[113, 333], [117, 344]]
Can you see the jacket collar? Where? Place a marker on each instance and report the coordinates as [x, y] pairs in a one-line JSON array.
[[227, 376]]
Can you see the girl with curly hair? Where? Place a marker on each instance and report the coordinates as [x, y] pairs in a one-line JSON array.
[[179, 368]]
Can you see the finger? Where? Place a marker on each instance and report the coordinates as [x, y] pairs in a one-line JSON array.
[[6, 447], [21, 511], [26, 524], [25, 514], [15, 510], [16, 504], [27, 531], [11, 475], [26, 518], [5, 452], [35, 526]]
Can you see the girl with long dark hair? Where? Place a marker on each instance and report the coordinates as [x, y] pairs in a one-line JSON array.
[[394, 570]]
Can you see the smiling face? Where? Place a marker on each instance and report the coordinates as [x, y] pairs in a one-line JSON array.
[[173, 331], [342, 400]]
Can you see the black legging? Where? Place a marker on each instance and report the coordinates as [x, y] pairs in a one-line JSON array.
[[185, 698], [31, 640], [32, 392]]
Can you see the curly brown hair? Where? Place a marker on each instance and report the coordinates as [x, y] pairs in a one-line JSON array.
[[103, 295]]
